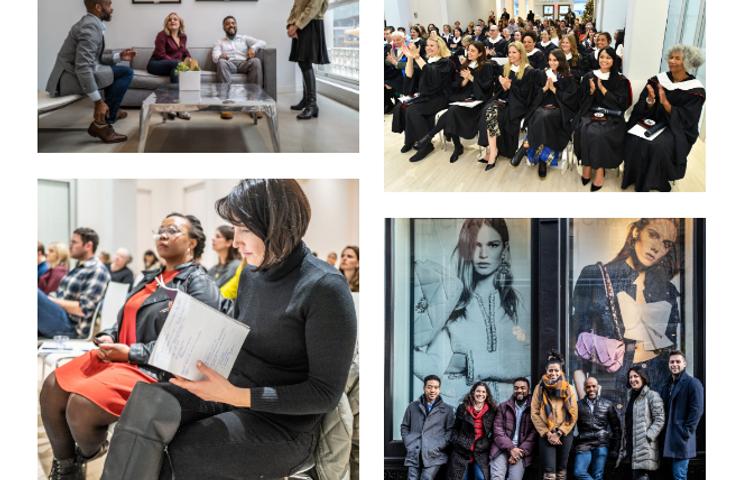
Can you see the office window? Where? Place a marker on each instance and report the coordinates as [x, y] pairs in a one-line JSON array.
[[342, 21]]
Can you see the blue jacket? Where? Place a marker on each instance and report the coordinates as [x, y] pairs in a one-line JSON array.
[[684, 405]]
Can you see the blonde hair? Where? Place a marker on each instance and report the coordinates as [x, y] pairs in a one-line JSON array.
[[181, 30], [523, 63], [62, 254], [444, 51]]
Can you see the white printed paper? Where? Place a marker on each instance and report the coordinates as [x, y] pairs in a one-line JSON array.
[[639, 131], [470, 104], [194, 331]]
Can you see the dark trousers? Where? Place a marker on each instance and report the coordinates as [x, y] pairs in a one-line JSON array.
[[163, 68], [52, 319], [114, 93], [554, 458], [220, 441]]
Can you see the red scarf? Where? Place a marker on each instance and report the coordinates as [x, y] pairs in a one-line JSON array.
[[477, 422]]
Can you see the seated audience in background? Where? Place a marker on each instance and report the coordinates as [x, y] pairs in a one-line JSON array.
[[549, 123], [43, 265], [495, 43], [545, 45], [502, 117], [104, 258], [331, 259], [600, 127], [84, 67], [475, 81], [237, 53], [602, 40], [80, 399], [119, 271], [387, 34], [671, 101], [514, 436], [434, 78], [446, 33], [416, 38], [569, 47], [479, 35], [69, 310], [151, 263], [455, 43], [350, 266], [393, 73], [228, 255], [619, 43], [535, 57], [58, 259]]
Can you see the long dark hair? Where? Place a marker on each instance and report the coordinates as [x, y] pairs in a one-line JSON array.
[[502, 277], [481, 58], [354, 282], [669, 265], [469, 399], [563, 66], [616, 67], [227, 231]]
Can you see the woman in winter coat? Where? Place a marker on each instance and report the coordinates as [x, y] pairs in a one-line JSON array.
[[471, 435], [644, 418]]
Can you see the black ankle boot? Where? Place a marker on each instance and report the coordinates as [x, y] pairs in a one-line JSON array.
[[311, 109], [148, 424], [67, 469], [424, 150], [423, 141], [518, 156], [456, 154], [542, 169]]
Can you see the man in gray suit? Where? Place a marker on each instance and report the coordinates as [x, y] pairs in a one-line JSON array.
[[82, 66]]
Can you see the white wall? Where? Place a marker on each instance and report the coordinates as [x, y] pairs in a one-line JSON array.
[[397, 13], [611, 15], [124, 212], [137, 25]]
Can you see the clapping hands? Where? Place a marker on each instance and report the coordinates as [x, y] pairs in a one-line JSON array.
[[505, 82]]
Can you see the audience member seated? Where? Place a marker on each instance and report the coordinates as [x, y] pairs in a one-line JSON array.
[[43, 264], [119, 271], [151, 263], [416, 117], [228, 255], [104, 258], [535, 57], [80, 399], [83, 67], [69, 310], [672, 100], [58, 260], [568, 45], [475, 83], [236, 53], [393, 74], [349, 265], [602, 41], [170, 48], [545, 45], [600, 128], [495, 43], [231, 287]]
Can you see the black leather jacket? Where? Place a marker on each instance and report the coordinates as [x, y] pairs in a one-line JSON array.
[[191, 279], [594, 428]]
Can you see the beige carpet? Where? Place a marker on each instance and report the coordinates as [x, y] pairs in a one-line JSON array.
[[436, 174], [335, 130]]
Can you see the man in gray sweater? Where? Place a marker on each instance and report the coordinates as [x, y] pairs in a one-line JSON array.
[[426, 429]]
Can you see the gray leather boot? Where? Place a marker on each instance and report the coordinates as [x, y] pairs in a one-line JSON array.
[[148, 423]]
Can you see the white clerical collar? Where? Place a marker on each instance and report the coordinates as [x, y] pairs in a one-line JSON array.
[[473, 64], [456, 39], [433, 59], [545, 44], [685, 85], [568, 56], [602, 75], [515, 68], [534, 50], [493, 42], [551, 74]]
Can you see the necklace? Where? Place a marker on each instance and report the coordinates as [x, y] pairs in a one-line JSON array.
[[491, 340]]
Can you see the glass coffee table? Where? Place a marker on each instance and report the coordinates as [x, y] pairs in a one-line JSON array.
[[217, 97]]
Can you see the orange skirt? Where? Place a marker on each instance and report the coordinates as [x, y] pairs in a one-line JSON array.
[[106, 384]]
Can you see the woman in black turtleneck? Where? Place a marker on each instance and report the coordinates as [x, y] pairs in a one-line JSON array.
[[263, 421]]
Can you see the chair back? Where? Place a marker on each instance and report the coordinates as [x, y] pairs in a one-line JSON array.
[[115, 297]]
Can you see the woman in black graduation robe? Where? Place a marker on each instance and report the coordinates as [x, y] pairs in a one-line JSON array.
[[673, 99], [475, 81], [416, 117], [569, 46], [545, 45], [535, 57], [502, 117], [550, 123], [599, 136]]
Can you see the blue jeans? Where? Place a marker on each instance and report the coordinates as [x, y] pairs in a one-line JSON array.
[[114, 92], [477, 472], [589, 464], [163, 68], [52, 319], [680, 468]]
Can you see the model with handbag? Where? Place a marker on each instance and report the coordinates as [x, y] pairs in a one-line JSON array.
[[625, 312]]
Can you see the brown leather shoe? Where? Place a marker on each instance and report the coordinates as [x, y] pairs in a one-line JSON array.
[[106, 133], [227, 115]]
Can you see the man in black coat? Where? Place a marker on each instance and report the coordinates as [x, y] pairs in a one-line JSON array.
[[599, 429], [683, 400]]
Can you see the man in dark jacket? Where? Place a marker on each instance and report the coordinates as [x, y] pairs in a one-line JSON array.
[[683, 398], [514, 435], [425, 430], [598, 429]]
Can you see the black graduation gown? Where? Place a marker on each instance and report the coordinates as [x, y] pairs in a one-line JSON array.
[[589, 61], [518, 103], [500, 48], [600, 144], [537, 59], [552, 127], [652, 165], [546, 49], [577, 68], [463, 121], [417, 118]]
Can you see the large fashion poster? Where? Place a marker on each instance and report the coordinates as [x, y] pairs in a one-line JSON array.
[[627, 285], [470, 317]]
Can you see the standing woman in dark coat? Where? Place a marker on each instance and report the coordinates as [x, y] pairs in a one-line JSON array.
[[600, 128], [502, 118], [264, 420], [306, 28], [475, 82], [416, 118], [471, 436], [673, 100], [550, 123]]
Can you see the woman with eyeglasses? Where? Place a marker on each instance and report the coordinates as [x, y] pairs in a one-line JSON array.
[[80, 399]]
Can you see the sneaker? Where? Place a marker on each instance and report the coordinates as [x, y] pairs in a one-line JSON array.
[[183, 115]]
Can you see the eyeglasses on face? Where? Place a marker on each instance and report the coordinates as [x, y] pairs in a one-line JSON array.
[[166, 232]]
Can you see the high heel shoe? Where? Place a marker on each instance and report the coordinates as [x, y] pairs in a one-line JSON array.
[[518, 156], [594, 188], [585, 180], [489, 166]]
